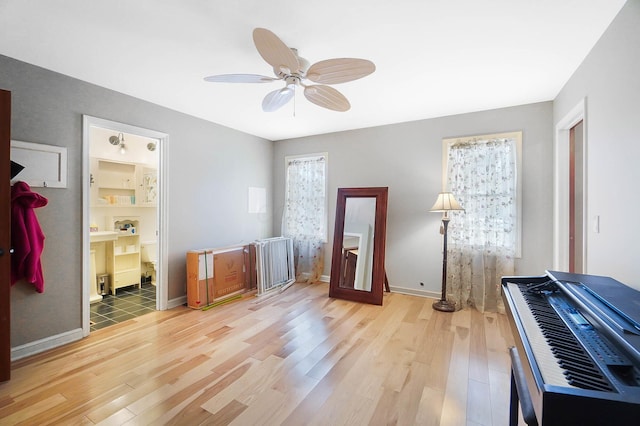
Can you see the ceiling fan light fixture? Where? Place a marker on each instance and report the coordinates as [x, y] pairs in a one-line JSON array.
[[292, 69], [292, 80], [276, 99]]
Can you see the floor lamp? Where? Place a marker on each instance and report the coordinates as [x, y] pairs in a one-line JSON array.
[[445, 203]]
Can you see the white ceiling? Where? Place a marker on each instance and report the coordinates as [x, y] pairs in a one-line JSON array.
[[433, 57]]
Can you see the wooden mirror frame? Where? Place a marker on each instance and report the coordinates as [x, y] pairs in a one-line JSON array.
[[379, 239]]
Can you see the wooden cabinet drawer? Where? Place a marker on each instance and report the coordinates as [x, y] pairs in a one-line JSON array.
[[125, 278]]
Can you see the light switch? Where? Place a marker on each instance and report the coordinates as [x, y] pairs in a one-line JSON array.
[[596, 224]]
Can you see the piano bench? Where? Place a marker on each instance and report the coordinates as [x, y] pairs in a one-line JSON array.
[[519, 393]]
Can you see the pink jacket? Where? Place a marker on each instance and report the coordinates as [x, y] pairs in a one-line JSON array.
[[27, 238]]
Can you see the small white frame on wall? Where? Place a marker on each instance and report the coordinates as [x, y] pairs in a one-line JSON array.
[[45, 166]]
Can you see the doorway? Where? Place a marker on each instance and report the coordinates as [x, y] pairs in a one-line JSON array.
[[124, 222], [576, 185], [570, 193]]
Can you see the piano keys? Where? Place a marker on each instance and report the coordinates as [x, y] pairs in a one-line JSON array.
[[578, 346]]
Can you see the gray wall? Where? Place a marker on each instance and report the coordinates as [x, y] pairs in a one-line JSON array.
[[210, 169], [609, 80], [407, 158]]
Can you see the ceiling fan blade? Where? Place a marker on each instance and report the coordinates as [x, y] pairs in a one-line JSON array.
[[327, 97], [239, 78], [276, 99], [340, 70], [275, 52]]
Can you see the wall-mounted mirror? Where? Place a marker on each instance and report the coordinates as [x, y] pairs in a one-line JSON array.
[[357, 264]]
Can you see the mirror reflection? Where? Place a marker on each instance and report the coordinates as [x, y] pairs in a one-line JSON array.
[[357, 243], [357, 261]]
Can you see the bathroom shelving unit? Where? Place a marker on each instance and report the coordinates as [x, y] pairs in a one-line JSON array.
[[116, 182], [123, 256], [119, 184]]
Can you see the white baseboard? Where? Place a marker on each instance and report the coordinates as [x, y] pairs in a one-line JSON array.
[[51, 342], [414, 292], [45, 344], [403, 290], [178, 301]]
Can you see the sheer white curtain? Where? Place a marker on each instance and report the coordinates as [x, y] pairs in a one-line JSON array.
[[305, 218], [482, 174]]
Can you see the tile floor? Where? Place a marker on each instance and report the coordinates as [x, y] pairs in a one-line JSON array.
[[130, 302]]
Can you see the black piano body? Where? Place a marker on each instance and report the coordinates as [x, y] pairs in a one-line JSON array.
[[578, 347]]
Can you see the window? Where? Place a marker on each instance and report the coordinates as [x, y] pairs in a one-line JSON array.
[[305, 212], [305, 196], [483, 172]]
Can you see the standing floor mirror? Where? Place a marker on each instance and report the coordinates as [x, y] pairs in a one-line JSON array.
[[357, 263]]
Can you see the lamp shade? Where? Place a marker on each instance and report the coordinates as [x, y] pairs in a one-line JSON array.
[[445, 203]]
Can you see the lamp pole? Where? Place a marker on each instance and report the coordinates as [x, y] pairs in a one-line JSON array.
[[442, 304], [445, 203]]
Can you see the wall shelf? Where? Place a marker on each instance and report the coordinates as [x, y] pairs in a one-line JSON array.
[[122, 184]]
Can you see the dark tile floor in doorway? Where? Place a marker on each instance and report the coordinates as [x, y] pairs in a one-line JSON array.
[[130, 302]]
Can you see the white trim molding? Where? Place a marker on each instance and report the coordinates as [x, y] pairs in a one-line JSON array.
[[162, 293], [561, 187], [45, 165], [45, 344], [178, 301], [414, 292]]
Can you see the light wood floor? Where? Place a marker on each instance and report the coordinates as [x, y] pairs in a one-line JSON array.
[[299, 358]]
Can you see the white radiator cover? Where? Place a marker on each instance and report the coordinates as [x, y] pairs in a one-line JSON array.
[[274, 264]]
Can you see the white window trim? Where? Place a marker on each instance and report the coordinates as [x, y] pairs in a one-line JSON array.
[[517, 136], [324, 155]]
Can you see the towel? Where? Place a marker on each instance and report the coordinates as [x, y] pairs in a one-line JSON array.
[[27, 237]]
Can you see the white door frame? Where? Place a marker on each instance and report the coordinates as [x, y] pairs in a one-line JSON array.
[[561, 188], [162, 293]]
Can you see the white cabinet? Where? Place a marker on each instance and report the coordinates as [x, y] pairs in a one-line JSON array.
[[123, 261], [115, 183]]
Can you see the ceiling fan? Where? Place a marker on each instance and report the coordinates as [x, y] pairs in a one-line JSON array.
[[294, 71]]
